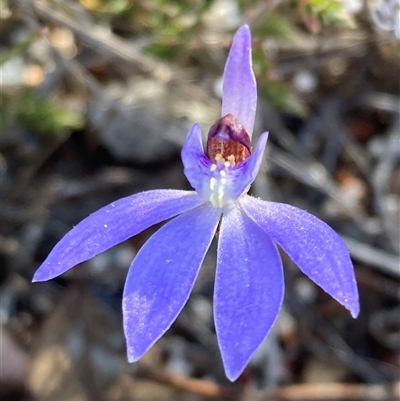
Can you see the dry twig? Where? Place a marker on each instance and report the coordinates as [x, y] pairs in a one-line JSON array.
[[329, 392]]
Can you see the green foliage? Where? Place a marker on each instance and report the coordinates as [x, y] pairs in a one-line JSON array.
[[261, 65], [44, 116], [164, 50], [171, 25], [246, 4], [328, 12], [278, 93], [168, 26], [275, 26], [105, 9]]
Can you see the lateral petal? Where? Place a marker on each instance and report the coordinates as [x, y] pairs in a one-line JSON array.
[[113, 224], [196, 165], [162, 276], [248, 289], [315, 247], [239, 84]]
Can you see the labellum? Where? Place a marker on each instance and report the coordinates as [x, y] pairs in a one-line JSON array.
[[228, 141]]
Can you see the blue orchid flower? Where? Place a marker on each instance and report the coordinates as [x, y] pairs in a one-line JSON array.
[[249, 283]]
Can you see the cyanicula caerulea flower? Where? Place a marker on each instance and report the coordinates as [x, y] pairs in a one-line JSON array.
[[249, 278]]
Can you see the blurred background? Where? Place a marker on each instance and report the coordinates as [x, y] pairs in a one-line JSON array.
[[97, 98]]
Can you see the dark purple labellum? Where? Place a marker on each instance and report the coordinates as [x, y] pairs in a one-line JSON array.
[[229, 139]]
